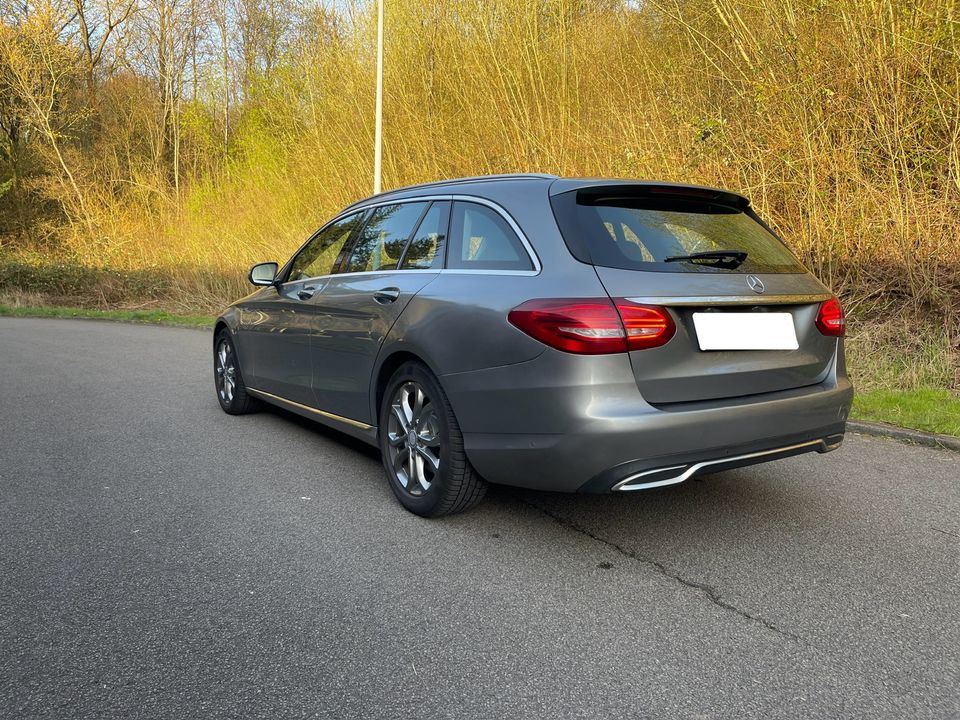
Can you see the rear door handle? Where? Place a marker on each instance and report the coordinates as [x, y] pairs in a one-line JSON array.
[[387, 295], [306, 293]]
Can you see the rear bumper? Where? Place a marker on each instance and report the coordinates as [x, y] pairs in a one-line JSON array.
[[686, 468], [606, 437]]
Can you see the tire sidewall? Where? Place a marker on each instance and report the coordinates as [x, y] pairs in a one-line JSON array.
[[422, 505]]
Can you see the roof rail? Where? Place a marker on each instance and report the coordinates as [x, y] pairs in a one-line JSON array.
[[459, 181]]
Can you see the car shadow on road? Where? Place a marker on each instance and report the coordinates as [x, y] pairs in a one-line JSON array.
[[322, 431], [725, 508], [745, 510]]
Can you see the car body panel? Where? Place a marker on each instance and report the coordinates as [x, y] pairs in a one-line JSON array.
[[531, 415], [557, 432], [349, 328], [274, 327]]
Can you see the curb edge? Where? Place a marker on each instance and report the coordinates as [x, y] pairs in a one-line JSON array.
[[917, 437]]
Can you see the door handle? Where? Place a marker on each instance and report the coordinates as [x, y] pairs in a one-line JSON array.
[[387, 295], [306, 293]]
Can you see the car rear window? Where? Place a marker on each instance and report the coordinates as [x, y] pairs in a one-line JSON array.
[[641, 232]]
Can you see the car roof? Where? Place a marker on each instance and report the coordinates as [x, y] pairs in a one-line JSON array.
[[554, 183], [453, 183]]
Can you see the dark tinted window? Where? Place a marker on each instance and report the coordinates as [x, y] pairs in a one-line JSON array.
[[427, 246], [641, 233], [384, 237], [319, 255], [480, 239]]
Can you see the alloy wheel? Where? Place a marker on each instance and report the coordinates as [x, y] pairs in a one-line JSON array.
[[413, 435], [226, 369]]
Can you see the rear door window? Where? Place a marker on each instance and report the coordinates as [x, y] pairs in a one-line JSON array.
[[383, 239], [481, 239], [643, 233], [427, 247]]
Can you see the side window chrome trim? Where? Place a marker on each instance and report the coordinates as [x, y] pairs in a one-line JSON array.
[[365, 273]]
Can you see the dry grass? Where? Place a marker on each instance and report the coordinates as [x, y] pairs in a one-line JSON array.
[[840, 118]]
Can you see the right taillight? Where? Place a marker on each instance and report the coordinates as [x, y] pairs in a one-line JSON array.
[[830, 318], [594, 326], [647, 326]]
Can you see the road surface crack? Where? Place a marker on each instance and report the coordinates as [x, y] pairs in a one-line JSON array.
[[710, 592]]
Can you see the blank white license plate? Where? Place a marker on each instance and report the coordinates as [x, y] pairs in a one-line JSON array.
[[745, 331]]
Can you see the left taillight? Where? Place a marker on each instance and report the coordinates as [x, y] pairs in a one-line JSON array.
[[830, 318], [594, 326]]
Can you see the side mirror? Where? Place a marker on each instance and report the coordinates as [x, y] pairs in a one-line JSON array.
[[263, 273]]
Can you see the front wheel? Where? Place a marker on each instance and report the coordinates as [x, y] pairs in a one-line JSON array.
[[231, 392], [422, 446]]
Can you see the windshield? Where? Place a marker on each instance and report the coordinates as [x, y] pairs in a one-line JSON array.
[[660, 234]]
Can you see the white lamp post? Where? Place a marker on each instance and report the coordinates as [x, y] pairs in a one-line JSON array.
[[378, 122]]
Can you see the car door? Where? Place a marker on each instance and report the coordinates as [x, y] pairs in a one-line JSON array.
[[277, 326], [359, 304]]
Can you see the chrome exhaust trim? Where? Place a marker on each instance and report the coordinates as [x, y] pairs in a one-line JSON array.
[[689, 471]]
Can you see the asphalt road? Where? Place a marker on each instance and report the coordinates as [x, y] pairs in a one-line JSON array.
[[159, 558]]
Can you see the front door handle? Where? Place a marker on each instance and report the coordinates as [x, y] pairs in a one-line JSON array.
[[306, 293], [387, 295]]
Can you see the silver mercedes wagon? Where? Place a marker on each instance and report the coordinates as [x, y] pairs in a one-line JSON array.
[[550, 333]]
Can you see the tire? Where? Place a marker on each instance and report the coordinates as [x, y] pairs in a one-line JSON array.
[[227, 380], [452, 485]]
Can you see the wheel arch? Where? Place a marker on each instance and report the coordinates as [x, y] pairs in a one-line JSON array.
[[387, 366], [229, 321], [221, 324]]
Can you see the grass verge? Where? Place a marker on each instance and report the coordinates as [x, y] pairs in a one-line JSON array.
[[146, 317], [936, 411], [927, 409]]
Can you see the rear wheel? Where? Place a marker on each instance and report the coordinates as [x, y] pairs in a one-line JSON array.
[[422, 446], [231, 392]]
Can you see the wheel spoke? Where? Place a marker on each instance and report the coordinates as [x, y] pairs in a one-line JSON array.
[[417, 410], [398, 467], [411, 462], [395, 440], [421, 475], [428, 456], [399, 415], [427, 432], [406, 404]]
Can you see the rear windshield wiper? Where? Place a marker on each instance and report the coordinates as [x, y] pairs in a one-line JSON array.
[[726, 259]]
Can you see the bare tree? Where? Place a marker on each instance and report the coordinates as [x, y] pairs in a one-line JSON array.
[[39, 71], [167, 27], [97, 21]]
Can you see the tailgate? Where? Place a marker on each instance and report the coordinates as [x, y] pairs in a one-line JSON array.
[[681, 371]]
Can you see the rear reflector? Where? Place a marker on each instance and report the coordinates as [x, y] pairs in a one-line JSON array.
[[594, 326], [830, 318]]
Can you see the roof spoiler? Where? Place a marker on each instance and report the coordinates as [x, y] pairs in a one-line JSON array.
[[594, 193]]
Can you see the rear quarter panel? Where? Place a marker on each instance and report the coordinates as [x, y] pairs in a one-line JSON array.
[[458, 323]]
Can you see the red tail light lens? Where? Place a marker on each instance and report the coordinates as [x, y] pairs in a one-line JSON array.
[[647, 326], [593, 326], [830, 318]]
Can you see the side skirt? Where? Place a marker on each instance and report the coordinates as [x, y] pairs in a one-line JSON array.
[[354, 428]]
